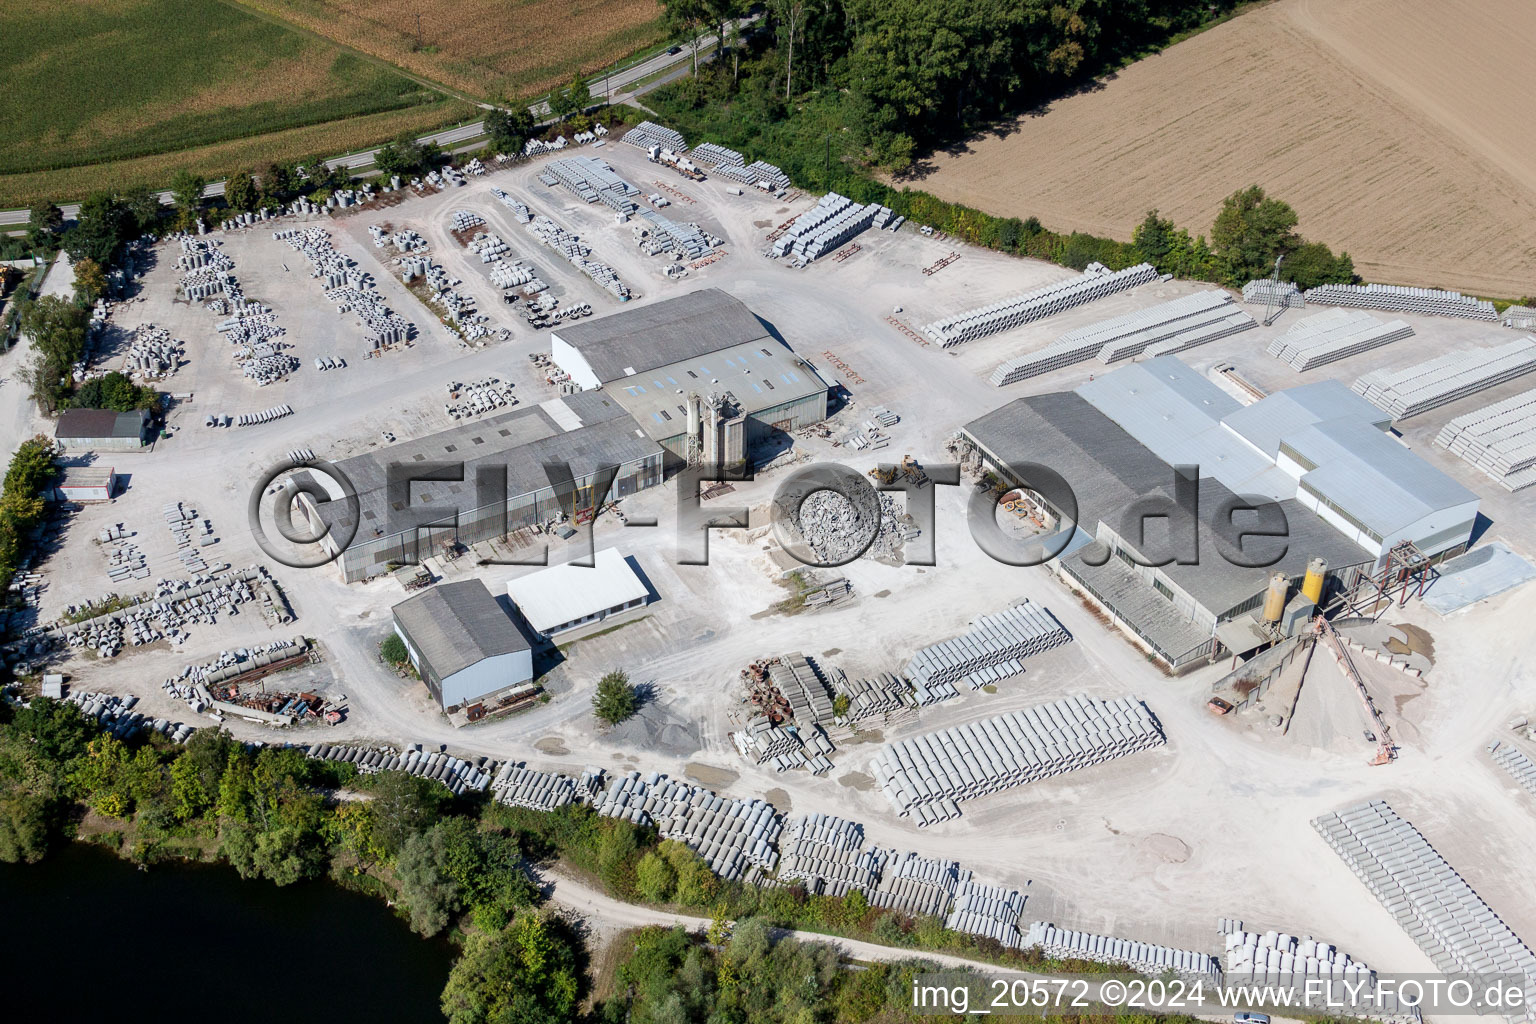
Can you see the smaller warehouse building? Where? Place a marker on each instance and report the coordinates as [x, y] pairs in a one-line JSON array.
[[103, 430], [566, 597], [466, 648], [84, 483]]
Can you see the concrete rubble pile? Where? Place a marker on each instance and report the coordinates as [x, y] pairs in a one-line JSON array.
[[1263, 292], [458, 775], [351, 288], [834, 220], [835, 529], [1094, 283], [989, 910], [647, 134], [577, 254], [1336, 334], [1398, 299], [1499, 439], [734, 837], [1411, 390], [591, 180], [152, 353], [1171, 326], [1516, 762], [117, 717], [927, 776], [1142, 957], [1433, 904], [992, 650]]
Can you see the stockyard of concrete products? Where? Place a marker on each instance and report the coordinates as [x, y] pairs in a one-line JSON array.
[[1126, 849]]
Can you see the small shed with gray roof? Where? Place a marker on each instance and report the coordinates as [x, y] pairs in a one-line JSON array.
[[463, 643]]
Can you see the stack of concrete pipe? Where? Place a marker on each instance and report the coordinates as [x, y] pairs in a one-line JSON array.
[[1095, 283], [1334, 335], [927, 776], [992, 650], [1499, 439], [915, 885], [1277, 959], [989, 910], [731, 835], [1397, 299], [458, 775], [517, 785], [826, 853], [1143, 957], [1433, 904], [1416, 389], [647, 134], [1516, 762], [1264, 292]]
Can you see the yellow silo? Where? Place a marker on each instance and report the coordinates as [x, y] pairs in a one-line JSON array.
[[1312, 585], [1274, 599]]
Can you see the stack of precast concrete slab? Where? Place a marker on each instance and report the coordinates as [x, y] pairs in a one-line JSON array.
[[669, 235], [1333, 335], [717, 156], [1264, 292], [1516, 762], [927, 776], [592, 180], [763, 175], [992, 650], [1433, 904], [1142, 957], [1397, 299], [1094, 283], [1499, 439], [834, 219], [648, 133], [1177, 324], [1416, 389], [801, 684]]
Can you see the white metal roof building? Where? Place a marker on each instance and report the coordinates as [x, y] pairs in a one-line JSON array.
[[464, 645], [566, 597], [85, 483]]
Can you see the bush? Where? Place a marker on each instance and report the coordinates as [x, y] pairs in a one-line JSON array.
[[615, 700], [392, 650]]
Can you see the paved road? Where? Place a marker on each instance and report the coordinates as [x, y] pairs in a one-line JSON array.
[[609, 88]]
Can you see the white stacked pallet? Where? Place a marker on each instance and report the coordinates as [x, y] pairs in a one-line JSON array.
[[647, 134], [928, 775], [1336, 334], [1121, 336], [1416, 389], [1433, 904], [517, 785], [1499, 439], [1095, 283], [717, 156], [1397, 299], [1142, 957], [992, 650], [1264, 292], [1516, 762], [989, 910]]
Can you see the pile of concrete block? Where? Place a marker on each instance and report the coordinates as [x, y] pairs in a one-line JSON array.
[[1499, 439], [1142, 957], [926, 776], [834, 220], [1265, 292], [1333, 335], [992, 911], [1397, 299], [1416, 389], [1093, 284], [517, 785], [457, 774], [717, 156], [520, 212], [349, 287], [577, 254], [116, 715], [669, 236], [1516, 762], [1178, 324], [992, 650], [647, 134], [591, 180], [1433, 904], [733, 836]]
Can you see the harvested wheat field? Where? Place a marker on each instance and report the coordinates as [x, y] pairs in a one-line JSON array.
[[1399, 130], [484, 47]]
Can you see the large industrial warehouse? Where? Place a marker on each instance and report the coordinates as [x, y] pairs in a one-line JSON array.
[[1116, 440], [701, 374], [507, 454]]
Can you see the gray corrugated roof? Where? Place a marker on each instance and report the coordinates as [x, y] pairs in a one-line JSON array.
[[523, 441], [670, 331], [1266, 421], [1109, 471], [456, 625]]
